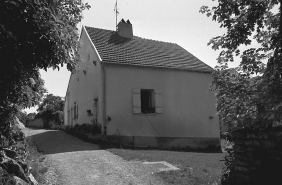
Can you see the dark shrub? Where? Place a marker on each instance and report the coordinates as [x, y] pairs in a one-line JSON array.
[[228, 171]]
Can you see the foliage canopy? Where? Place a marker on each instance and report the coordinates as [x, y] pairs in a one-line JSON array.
[[34, 34], [249, 95], [51, 108]]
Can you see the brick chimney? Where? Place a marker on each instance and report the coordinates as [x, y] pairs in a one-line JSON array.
[[125, 29]]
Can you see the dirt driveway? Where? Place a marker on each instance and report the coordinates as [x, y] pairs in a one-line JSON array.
[[73, 162]]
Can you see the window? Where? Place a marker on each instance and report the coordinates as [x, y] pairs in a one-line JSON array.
[[96, 106], [75, 111], [147, 101], [69, 117], [72, 117]]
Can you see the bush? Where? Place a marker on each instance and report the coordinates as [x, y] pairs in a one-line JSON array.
[[13, 157], [83, 129], [88, 132], [228, 170], [56, 127], [35, 161]]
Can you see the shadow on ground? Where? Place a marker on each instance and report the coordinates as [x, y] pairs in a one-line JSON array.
[[54, 141]]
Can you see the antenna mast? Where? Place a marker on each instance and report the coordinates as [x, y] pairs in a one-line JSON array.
[[116, 10]]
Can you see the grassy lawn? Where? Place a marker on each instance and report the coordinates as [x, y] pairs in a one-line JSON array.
[[195, 168]]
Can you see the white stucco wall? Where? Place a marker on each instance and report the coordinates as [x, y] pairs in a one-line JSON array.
[[187, 103], [85, 85]]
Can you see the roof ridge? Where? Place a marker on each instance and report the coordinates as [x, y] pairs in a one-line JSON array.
[[156, 40], [99, 28]]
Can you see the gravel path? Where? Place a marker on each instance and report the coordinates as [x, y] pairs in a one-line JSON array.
[[73, 162]]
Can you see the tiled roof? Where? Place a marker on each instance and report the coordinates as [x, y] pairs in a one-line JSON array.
[[143, 52]]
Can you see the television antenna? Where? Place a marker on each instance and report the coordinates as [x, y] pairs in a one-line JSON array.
[[116, 12]]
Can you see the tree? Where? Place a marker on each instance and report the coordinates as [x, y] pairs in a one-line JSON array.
[[52, 108], [252, 95], [34, 34], [32, 93], [22, 115], [52, 102], [29, 117]]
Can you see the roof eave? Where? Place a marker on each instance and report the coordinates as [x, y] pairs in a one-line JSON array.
[[190, 70]]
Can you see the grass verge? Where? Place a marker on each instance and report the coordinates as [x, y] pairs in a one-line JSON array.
[[195, 168], [35, 160]]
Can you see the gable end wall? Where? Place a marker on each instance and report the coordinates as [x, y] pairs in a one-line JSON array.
[[85, 85]]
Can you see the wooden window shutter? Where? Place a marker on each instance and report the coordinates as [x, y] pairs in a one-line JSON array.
[[136, 101], [158, 101]]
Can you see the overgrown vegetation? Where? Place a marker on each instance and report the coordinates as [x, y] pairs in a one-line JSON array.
[[35, 161], [13, 155], [29, 117], [250, 94], [228, 170], [34, 35], [51, 108], [88, 132]]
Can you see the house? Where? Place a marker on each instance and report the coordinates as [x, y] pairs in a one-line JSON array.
[[145, 92]]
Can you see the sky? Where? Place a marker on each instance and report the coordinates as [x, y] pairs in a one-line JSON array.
[[175, 21]]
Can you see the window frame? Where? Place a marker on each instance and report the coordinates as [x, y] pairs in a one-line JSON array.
[[156, 98], [147, 101]]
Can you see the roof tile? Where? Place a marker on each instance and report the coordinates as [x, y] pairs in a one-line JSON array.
[[145, 52]]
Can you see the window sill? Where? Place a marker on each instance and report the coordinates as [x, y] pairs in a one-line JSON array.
[[147, 114]]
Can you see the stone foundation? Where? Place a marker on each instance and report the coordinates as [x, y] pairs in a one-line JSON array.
[[181, 143]]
